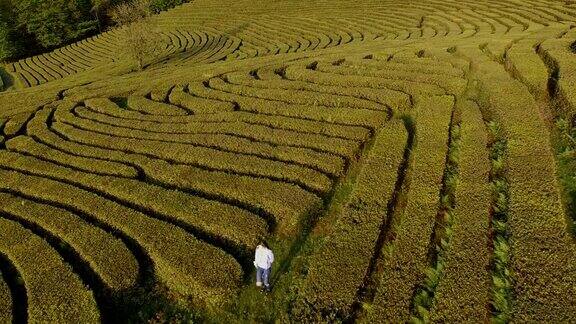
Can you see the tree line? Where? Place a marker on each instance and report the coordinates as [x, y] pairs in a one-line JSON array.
[[30, 27]]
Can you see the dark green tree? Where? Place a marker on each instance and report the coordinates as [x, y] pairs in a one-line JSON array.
[[30, 27], [53, 23], [10, 45], [98, 10]]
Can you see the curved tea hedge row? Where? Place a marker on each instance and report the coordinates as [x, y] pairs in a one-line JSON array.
[[105, 52], [176, 254], [78, 57], [54, 292], [535, 207], [208, 175], [463, 293], [5, 302], [206, 32], [259, 120], [110, 259], [412, 235], [338, 269]]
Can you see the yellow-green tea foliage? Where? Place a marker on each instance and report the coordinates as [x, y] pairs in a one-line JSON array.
[[405, 161]]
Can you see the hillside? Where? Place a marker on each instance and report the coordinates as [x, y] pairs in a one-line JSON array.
[[407, 161]]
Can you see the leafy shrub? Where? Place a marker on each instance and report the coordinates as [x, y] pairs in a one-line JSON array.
[[10, 46], [161, 5]]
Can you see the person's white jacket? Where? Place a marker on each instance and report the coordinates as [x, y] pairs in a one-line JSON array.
[[263, 258]]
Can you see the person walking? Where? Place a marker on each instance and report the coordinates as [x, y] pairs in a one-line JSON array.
[[263, 260]]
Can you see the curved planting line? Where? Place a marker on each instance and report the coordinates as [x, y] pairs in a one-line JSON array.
[[78, 57], [39, 129], [565, 127], [558, 96], [286, 110], [536, 170], [28, 78], [502, 298], [62, 62], [480, 21], [182, 98], [34, 70], [346, 96], [207, 189], [207, 41], [70, 61], [162, 241], [230, 247], [219, 51], [435, 68], [80, 266], [184, 133], [81, 56], [290, 96], [233, 247], [330, 167], [82, 127], [57, 70], [407, 254], [292, 124], [367, 292], [455, 27], [121, 157], [319, 26], [146, 275], [299, 124], [337, 269], [463, 291], [439, 244], [318, 95], [43, 69], [16, 125], [284, 40], [254, 34], [30, 147], [53, 284], [512, 21], [17, 289], [328, 74], [151, 107], [447, 85], [232, 166], [103, 51]]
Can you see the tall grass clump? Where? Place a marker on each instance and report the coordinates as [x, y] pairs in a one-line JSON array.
[[566, 151], [424, 297], [501, 275]]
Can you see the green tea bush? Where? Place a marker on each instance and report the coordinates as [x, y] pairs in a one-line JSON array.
[[177, 255], [53, 284], [337, 271], [110, 259], [393, 298], [5, 301]]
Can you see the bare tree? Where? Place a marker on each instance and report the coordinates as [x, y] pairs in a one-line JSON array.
[[130, 12], [141, 40]]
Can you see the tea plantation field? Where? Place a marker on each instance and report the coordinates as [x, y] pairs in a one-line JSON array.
[[407, 161]]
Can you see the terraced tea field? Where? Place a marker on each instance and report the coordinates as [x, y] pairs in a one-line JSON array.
[[399, 156]]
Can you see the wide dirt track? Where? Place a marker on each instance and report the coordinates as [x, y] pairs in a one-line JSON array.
[[399, 156]]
